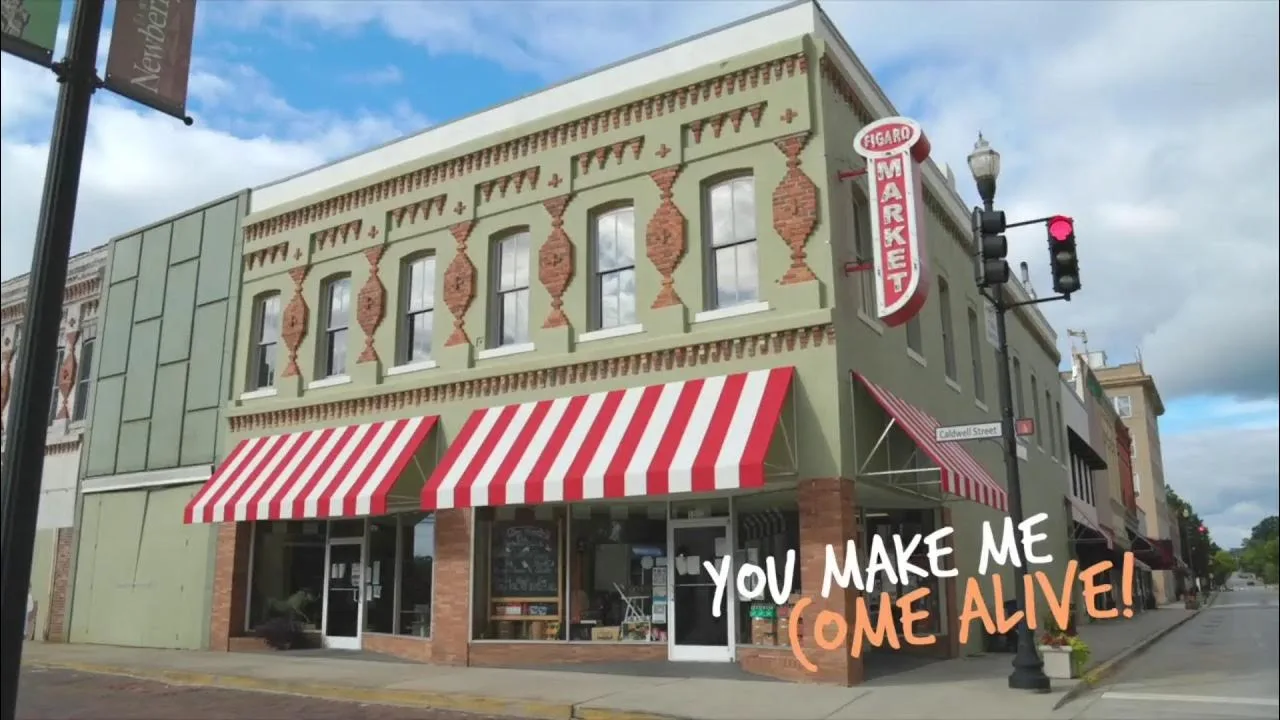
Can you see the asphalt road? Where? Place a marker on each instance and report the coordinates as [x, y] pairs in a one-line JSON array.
[[1223, 664], [59, 695]]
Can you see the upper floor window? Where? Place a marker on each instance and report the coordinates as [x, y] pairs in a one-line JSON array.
[[266, 334], [1123, 405], [57, 394], [81, 405], [511, 289], [734, 272], [614, 278], [1019, 403], [915, 336], [1062, 430], [975, 357], [1051, 421], [863, 252], [948, 331], [418, 303], [337, 317], [1035, 411]]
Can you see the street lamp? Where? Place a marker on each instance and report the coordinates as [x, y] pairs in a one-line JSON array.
[[984, 163]]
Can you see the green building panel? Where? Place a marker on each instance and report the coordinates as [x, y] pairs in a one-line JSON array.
[[163, 370]]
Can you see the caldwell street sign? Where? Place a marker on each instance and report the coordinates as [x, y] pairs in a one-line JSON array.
[[977, 431]]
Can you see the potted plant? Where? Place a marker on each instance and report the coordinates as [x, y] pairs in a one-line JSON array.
[[284, 627], [1065, 655]]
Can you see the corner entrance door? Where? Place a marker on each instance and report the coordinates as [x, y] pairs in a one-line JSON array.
[[344, 584], [696, 634]]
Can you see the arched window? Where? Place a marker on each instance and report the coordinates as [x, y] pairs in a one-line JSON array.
[[510, 307], [266, 341], [336, 317], [613, 278], [417, 308], [733, 275]]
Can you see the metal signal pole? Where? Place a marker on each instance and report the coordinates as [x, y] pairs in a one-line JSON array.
[[33, 383]]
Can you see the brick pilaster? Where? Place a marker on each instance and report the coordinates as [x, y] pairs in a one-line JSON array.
[[60, 590], [451, 621], [828, 516], [230, 584]]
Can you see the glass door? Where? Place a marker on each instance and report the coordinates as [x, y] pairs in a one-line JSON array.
[[343, 593], [696, 634]]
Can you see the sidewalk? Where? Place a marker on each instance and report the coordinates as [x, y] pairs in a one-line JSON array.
[[935, 689]]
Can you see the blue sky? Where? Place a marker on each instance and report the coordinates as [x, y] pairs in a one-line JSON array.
[[1102, 119]]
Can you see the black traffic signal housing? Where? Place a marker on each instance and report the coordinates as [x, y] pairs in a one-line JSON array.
[[993, 247], [1064, 263]]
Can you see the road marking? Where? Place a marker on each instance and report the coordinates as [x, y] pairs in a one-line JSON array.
[[1221, 700]]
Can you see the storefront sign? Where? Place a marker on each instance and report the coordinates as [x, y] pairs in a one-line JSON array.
[[150, 55], [894, 148]]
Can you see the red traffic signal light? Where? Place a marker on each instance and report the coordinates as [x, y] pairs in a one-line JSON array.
[[1063, 262], [1061, 228], [1203, 530]]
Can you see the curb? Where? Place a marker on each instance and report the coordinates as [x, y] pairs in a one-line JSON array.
[[459, 702], [1106, 669]]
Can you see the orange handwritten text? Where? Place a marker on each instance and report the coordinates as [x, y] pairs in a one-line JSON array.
[[895, 622]]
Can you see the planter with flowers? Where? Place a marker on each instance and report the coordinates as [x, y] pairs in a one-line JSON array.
[[1065, 656]]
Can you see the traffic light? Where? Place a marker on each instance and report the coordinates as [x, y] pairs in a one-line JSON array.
[[1203, 530], [1063, 260], [993, 247]]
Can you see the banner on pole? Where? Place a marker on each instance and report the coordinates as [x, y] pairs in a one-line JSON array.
[[30, 28], [150, 56]]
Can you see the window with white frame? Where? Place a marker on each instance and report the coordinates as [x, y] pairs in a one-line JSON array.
[[915, 336], [337, 317], [511, 289], [733, 271], [57, 394], [613, 281], [418, 309], [1123, 405], [948, 330], [266, 323], [975, 357], [81, 403]]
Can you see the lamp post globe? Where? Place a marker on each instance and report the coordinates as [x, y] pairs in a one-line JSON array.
[[984, 164]]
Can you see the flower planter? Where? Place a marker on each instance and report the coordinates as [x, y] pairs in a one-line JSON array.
[[1057, 662]]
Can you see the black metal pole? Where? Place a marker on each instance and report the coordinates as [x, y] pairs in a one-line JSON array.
[[33, 383], [1028, 668]]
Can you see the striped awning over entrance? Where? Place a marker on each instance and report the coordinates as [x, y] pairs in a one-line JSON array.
[[689, 436], [330, 473], [961, 474]]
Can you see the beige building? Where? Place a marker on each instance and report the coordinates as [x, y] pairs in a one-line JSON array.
[[68, 411], [1137, 402]]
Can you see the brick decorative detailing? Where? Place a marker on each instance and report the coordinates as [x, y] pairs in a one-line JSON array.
[[75, 290], [424, 208], [230, 583], [828, 516], [62, 448], [555, 261], [693, 355], [460, 284], [336, 235], [372, 304], [627, 116], [60, 590], [514, 182], [266, 255], [664, 237], [451, 621], [295, 321], [829, 70], [732, 117], [600, 156], [795, 209], [67, 375]]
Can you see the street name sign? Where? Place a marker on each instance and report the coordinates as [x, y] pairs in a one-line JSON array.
[[976, 431]]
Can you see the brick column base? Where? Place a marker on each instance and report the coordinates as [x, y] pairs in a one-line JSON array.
[[828, 516], [230, 584], [451, 610], [59, 591]]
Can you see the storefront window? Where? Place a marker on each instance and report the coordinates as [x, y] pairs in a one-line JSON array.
[[618, 573], [379, 606], [519, 578], [905, 523], [417, 573], [768, 526], [288, 572]]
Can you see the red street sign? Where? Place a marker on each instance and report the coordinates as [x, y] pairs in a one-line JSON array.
[[1024, 426]]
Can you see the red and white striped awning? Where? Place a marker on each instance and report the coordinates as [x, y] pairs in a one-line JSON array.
[[331, 473], [690, 436], [961, 474]]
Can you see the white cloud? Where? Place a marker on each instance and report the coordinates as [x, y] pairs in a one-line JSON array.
[[385, 75], [1228, 475], [141, 166]]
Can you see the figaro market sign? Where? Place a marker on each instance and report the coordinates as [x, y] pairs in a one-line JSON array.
[[894, 148]]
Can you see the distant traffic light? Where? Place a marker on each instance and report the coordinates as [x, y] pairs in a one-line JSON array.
[[1204, 530], [1063, 261], [993, 247]]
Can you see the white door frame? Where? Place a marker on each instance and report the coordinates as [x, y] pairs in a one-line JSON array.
[[699, 653], [340, 642]]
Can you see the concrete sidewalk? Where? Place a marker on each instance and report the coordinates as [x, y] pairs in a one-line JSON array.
[[935, 689]]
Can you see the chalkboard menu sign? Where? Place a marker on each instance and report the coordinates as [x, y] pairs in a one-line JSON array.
[[526, 560]]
